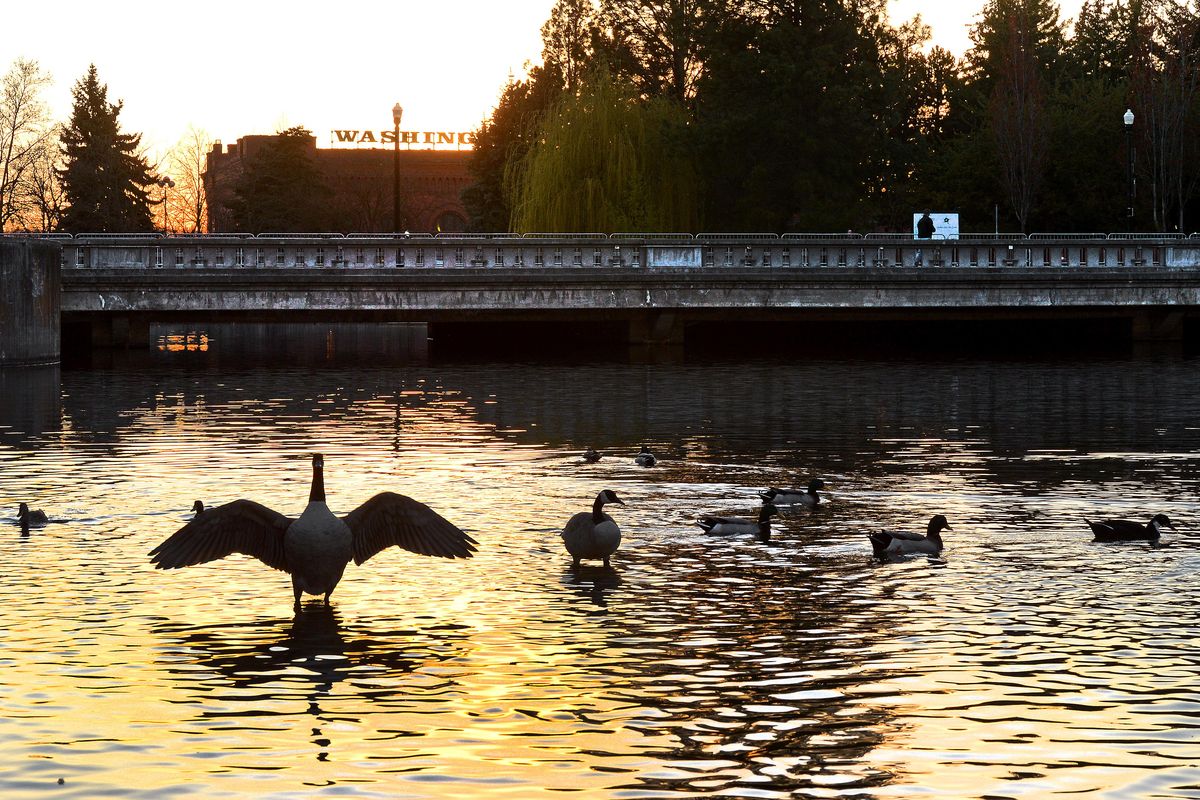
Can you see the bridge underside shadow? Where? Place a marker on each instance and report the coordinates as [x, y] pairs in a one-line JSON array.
[[782, 330]]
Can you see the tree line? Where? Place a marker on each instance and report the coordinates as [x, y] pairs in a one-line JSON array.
[[823, 115], [722, 115]]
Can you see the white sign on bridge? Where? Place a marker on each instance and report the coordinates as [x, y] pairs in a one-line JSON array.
[[944, 225]]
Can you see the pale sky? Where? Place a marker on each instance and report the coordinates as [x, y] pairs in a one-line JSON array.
[[256, 66]]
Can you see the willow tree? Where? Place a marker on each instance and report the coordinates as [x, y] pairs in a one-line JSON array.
[[606, 161]]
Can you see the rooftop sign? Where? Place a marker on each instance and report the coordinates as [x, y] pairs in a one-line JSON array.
[[430, 139]]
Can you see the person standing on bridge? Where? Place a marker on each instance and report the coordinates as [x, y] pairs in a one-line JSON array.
[[925, 229]]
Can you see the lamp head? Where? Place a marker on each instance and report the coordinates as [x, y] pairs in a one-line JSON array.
[[397, 113]]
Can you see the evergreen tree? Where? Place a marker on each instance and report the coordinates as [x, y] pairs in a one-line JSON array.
[[793, 119], [280, 189], [105, 180]]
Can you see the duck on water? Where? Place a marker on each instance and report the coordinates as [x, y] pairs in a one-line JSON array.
[[1124, 530], [792, 497], [724, 526], [31, 519], [315, 547], [902, 543]]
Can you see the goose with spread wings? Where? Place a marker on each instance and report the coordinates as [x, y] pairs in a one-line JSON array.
[[316, 547]]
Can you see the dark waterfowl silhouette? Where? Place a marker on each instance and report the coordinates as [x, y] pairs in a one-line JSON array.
[[593, 534], [645, 458], [898, 543], [723, 526], [198, 507], [316, 547], [31, 519], [1124, 530], [591, 455], [795, 497]]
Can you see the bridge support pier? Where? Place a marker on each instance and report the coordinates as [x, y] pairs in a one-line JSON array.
[[1158, 325], [656, 327]]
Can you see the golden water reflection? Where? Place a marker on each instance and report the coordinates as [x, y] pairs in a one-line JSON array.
[[1026, 662]]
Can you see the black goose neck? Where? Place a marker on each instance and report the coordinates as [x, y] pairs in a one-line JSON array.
[[317, 493], [598, 510]]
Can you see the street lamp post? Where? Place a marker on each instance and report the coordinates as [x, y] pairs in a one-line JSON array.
[[165, 183], [397, 112], [1128, 118]]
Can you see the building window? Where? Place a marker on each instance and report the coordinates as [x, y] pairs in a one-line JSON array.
[[179, 256], [220, 257], [320, 256], [260, 258], [279, 258], [239, 257], [158, 260]]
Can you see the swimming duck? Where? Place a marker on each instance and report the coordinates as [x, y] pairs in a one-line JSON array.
[[591, 456], [894, 543], [730, 525], [645, 458], [593, 535], [1123, 530], [198, 507], [31, 519], [791, 497], [316, 547]]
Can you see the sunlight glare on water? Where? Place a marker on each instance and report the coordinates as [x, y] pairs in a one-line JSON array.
[[1025, 662]]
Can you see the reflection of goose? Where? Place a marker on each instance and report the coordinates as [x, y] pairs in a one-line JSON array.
[[31, 519], [645, 458], [1124, 530], [593, 535], [315, 548], [591, 456], [790, 497], [893, 543], [732, 525]]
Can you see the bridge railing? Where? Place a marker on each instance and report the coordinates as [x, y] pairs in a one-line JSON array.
[[625, 251]]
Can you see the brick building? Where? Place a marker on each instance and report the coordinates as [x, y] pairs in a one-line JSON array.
[[431, 184]]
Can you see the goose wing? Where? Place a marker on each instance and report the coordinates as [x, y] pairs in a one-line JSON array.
[[242, 526], [389, 519]]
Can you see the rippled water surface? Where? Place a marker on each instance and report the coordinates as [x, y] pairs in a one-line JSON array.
[[1027, 662]]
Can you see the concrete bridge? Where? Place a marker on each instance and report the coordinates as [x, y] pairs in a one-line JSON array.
[[648, 288]]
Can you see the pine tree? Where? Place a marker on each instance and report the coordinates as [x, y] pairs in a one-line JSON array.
[[105, 179]]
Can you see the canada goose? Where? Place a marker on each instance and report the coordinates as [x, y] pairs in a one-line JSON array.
[[591, 456], [593, 535], [31, 519], [791, 497], [893, 543], [645, 458], [198, 507], [1123, 530], [316, 547], [729, 525]]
